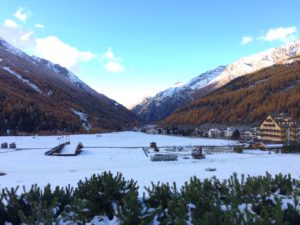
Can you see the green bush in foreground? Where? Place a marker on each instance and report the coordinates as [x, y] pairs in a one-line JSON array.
[[238, 149], [238, 200], [293, 147]]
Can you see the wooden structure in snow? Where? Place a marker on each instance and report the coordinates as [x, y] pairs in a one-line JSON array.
[[12, 145], [4, 145], [197, 153], [57, 151], [79, 148], [164, 157], [154, 146], [210, 169], [258, 145]]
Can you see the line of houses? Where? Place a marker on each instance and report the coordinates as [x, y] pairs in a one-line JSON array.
[[227, 133], [275, 128]]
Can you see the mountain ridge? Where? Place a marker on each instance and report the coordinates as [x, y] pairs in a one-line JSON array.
[[165, 102], [246, 100], [45, 97], [154, 108]]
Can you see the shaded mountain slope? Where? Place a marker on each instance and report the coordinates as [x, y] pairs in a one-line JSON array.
[[164, 103], [39, 96]]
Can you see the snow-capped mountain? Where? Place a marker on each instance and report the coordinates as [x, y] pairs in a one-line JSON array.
[[166, 102], [15, 51], [253, 63], [246, 100], [61, 70], [40, 96]]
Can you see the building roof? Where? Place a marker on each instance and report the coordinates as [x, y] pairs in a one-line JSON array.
[[282, 119]]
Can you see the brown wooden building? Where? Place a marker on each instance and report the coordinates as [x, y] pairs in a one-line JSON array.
[[278, 127]]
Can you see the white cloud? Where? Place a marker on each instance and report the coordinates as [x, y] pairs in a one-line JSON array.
[[10, 23], [114, 67], [55, 50], [19, 37], [113, 64], [26, 36], [22, 14], [86, 56], [39, 26], [247, 40], [109, 54], [283, 34], [51, 47]]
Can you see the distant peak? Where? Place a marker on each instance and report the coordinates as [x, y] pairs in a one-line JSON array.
[[3, 42], [9, 47]]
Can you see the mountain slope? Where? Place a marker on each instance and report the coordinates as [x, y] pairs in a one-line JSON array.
[[166, 102], [39, 96], [157, 108], [251, 64], [247, 99]]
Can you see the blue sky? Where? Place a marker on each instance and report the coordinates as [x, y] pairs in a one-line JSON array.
[[129, 49]]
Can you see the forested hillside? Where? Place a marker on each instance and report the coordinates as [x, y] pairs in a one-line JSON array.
[[37, 96], [247, 99]]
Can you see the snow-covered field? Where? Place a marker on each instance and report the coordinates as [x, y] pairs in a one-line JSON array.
[[30, 166]]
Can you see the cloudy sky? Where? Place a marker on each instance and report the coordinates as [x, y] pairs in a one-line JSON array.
[[130, 49]]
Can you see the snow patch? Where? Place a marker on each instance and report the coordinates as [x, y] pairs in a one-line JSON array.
[[69, 148], [257, 62], [52, 67], [74, 78], [33, 86], [69, 75], [203, 79], [56, 68], [84, 119], [112, 155], [104, 220], [169, 92], [50, 93]]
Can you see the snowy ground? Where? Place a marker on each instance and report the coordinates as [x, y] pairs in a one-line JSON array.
[[30, 166]]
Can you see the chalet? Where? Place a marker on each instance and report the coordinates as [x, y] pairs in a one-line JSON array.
[[249, 134], [278, 127], [214, 133], [228, 132]]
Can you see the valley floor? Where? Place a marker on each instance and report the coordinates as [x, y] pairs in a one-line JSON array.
[[29, 165]]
